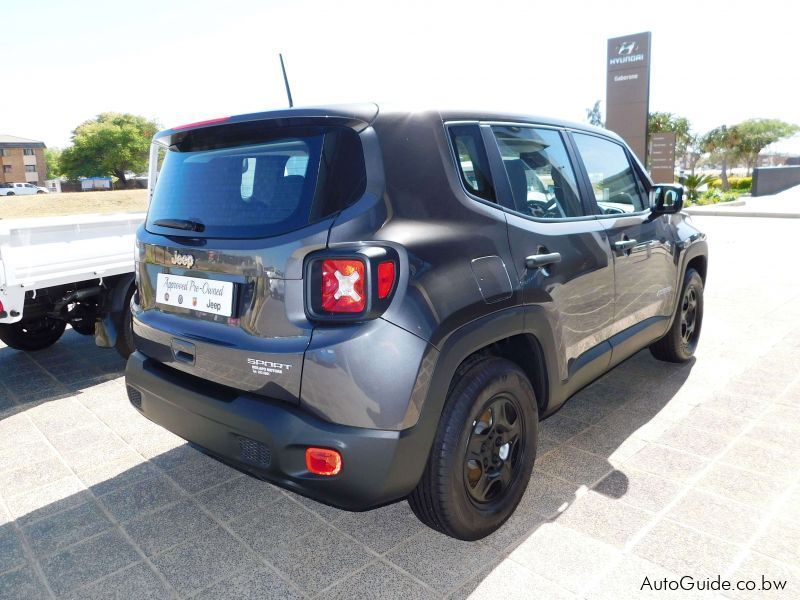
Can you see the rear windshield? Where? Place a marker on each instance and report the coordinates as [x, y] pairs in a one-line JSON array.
[[259, 188]]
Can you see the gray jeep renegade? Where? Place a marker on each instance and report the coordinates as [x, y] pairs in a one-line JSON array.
[[364, 305]]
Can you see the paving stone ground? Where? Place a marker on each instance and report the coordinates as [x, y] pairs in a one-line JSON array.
[[655, 470]]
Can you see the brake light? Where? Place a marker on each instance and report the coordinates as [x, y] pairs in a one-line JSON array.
[[322, 461], [202, 123], [385, 278], [343, 289]]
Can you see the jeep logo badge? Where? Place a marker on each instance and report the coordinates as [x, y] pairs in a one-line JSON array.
[[182, 260]]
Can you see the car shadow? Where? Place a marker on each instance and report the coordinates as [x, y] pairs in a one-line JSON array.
[[90, 486]]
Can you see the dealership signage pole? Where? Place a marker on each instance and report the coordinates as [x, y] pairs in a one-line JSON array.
[[628, 89]]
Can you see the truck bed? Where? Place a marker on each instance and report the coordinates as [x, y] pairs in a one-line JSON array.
[[43, 252]]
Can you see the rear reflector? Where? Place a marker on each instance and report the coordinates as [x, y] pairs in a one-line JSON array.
[[322, 461], [343, 286], [385, 278]]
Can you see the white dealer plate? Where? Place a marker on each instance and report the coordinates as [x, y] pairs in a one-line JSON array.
[[205, 295]]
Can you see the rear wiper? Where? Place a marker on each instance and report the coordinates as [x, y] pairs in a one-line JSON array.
[[185, 224]]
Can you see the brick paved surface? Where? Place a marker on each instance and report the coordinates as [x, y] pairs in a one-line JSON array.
[[655, 470]]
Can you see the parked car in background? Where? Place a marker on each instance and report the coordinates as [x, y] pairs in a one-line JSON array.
[[367, 305], [20, 189]]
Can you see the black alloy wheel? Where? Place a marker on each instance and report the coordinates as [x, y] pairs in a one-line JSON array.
[[492, 456]]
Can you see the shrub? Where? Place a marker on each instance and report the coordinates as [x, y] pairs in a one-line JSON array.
[[715, 196], [741, 184]]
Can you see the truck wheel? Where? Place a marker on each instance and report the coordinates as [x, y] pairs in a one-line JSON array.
[[680, 342], [124, 324], [483, 453], [34, 334]]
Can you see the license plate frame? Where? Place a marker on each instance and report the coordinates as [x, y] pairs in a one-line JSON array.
[[201, 294]]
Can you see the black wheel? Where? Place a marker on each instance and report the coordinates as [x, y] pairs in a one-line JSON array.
[[34, 334], [83, 325], [10, 194], [680, 342], [124, 323], [40, 192], [483, 453]]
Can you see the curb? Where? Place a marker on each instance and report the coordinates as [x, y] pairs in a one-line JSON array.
[[738, 213]]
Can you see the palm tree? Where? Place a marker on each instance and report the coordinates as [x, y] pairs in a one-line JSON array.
[[694, 182]]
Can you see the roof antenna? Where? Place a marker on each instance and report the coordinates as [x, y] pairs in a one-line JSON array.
[[286, 82]]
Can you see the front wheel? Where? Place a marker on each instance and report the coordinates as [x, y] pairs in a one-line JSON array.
[[483, 453], [33, 334], [680, 342]]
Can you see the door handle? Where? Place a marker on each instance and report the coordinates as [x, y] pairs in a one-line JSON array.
[[537, 261], [624, 245]]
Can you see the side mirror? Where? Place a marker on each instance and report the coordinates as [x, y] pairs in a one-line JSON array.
[[666, 198]]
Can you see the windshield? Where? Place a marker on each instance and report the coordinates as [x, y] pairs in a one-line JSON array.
[[258, 189]]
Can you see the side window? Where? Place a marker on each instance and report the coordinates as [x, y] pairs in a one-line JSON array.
[[616, 188], [542, 180], [473, 164]]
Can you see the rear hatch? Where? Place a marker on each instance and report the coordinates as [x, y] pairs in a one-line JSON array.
[[235, 209]]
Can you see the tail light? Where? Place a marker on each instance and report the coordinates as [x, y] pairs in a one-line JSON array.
[[355, 285], [343, 286], [385, 278]]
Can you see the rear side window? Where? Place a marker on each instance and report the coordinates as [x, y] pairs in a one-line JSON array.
[[259, 189], [539, 172], [473, 164], [610, 173]]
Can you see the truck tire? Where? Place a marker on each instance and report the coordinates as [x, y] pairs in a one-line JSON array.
[[680, 342], [483, 452], [34, 334], [124, 324]]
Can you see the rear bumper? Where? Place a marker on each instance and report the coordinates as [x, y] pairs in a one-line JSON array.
[[268, 439]]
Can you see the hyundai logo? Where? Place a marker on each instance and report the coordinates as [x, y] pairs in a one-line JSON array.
[[626, 48]]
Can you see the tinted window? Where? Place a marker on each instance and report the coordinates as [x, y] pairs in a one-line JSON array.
[[472, 162], [542, 180], [259, 189], [613, 181]]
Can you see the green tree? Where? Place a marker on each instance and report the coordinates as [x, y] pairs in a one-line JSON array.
[[52, 157], [661, 122], [593, 115], [723, 143], [111, 144], [757, 134]]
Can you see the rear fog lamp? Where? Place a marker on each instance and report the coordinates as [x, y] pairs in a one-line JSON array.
[[323, 461]]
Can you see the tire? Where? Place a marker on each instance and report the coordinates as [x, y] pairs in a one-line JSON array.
[[40, 192], [10, 194], [472, 482], [680, 342], [32, 335], [124, 324]]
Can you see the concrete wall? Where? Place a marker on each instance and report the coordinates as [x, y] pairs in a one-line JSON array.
[[771, 180]]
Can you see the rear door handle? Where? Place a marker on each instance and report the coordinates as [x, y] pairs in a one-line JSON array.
[[537, 261], [624, 244]]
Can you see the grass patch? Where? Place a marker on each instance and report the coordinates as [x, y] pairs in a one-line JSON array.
[[73, 203]]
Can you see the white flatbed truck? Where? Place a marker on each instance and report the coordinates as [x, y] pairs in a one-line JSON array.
[[75, 270]]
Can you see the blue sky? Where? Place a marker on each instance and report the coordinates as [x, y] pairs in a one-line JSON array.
[[176, 61]]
